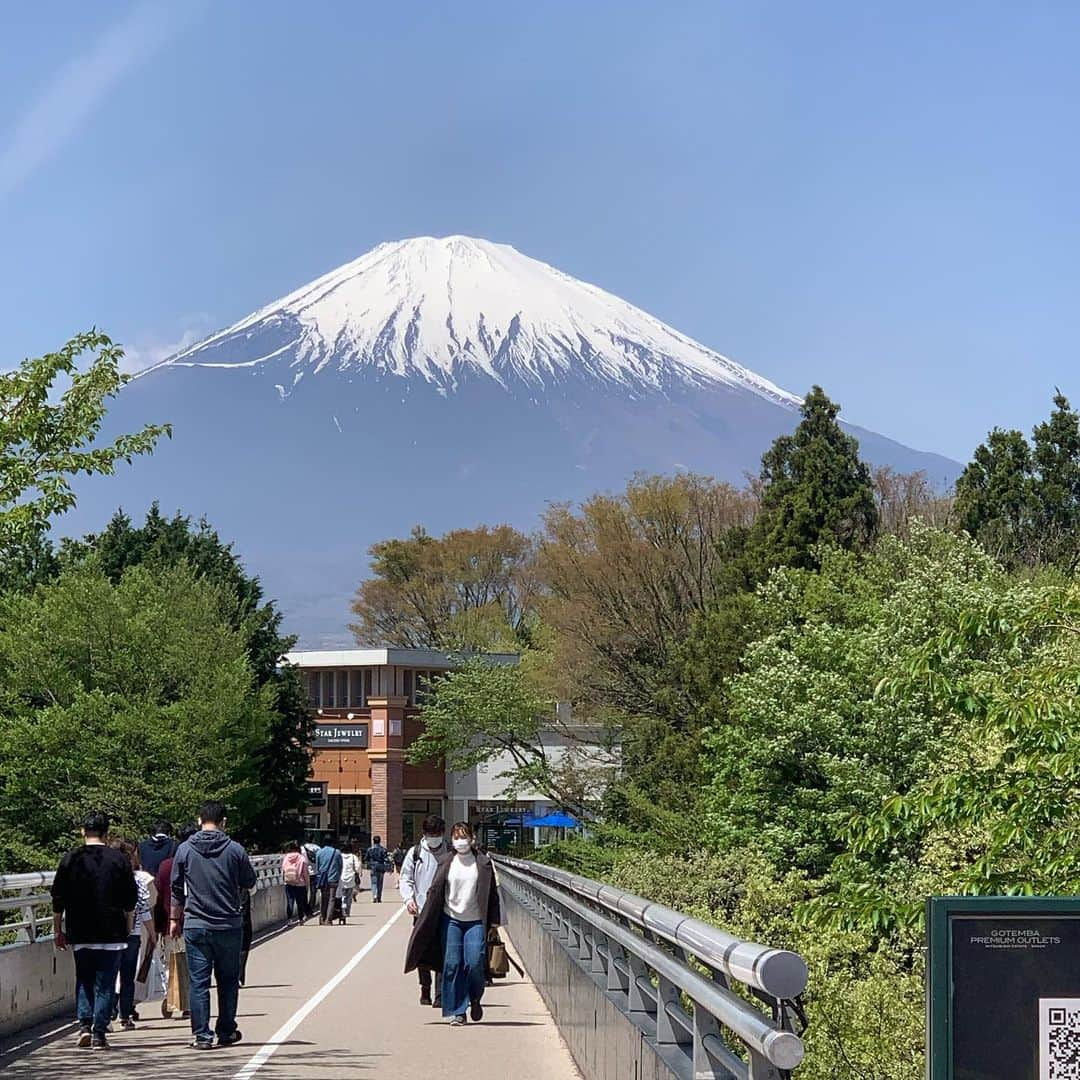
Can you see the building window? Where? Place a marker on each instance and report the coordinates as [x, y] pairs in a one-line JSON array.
[[422, 682], [314, 689], [367, 684], [407, 686], [328, 698], [413, 812], [356, 687], [342, 689]]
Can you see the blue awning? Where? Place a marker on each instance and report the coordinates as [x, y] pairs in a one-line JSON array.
[[553, 820]]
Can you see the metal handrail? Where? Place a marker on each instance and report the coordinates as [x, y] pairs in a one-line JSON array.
[[779, 973], [28, 893], [620, 938]]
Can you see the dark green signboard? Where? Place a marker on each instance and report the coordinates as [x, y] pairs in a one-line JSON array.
[[1004, 988]]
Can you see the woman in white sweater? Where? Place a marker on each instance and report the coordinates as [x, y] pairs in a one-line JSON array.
[[451, 931]]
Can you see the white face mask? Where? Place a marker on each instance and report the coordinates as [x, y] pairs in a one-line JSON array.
[[461, 845], [433, 843]]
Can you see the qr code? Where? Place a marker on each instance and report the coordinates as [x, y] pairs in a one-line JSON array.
[[1059, 1038]]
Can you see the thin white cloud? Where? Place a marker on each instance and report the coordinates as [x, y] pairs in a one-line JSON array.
[[143, 353], [78, 89]]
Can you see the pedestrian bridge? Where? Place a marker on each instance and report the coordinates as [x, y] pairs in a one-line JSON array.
[[614, 987]]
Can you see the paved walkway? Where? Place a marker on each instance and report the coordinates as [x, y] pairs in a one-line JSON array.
[[322, 1003]]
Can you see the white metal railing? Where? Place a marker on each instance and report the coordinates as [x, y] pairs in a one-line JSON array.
[[652, 958], [26, 904]]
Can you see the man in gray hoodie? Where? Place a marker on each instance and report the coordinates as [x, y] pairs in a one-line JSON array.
[[209, 876]]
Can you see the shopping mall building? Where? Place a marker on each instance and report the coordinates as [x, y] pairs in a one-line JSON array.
[[365, 704]]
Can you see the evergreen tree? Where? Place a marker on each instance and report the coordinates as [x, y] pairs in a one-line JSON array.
[[815, 490], [160, 542], [994, 496], [1056, 456]]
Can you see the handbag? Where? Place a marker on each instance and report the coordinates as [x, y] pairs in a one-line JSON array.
[[498, 959], [179, 988]]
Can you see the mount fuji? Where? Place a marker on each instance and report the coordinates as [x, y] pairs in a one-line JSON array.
[[446, 382]]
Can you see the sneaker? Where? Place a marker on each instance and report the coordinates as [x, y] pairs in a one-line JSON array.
[[457, 1021], [425, 998], [127, 1023], [476, 1012], [134, 1014], [99, 1042], [202, 1044], [437, 1003], [84, 1039], [109, 1029], [185, 1015], [166, 1012], [229, 1040]]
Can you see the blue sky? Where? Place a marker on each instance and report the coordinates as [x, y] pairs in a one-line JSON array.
[[881, 198]]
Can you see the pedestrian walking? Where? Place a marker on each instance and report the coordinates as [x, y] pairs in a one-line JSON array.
[[462, 904], [94, 894], [350, 878], [379, 862], [327, 876], [296, 872], [209, 875], [311, 850], [397, 857], [248, 934], [123, 1003], [417, 874], [168, 946], [157, 847]]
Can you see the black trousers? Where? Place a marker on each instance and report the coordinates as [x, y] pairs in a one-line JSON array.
[[326, 899]]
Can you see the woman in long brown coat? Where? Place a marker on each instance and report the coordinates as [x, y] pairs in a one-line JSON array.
[[450, 934]]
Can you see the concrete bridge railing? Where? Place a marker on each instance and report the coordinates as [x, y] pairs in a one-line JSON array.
[[640, 990], [37, 983]]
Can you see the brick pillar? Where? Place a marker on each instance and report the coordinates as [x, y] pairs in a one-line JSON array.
[[387, 756]]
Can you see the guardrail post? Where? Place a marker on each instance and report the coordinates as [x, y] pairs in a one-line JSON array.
[[598, 965], [667, 995], [760, 1069], [636, 998], [717, 1065], [616, 978]]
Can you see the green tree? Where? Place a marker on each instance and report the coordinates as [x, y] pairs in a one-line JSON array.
[[47, 436], [486, 714], [1056, 457], [468, 589], [814, 489], [137, 697], [283, 759], [995, 501], [805, 742], [998, 814]]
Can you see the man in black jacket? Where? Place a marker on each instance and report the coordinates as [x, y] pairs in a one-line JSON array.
[[93, 895], [209, 874], [155, 849]]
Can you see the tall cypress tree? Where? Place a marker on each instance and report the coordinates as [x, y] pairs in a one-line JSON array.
[[815, 489], [285, 760]]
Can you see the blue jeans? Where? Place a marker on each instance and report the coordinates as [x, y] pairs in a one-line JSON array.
[[464, 972], [216, 951], [124, 1001], [376, 885], [95, 977]]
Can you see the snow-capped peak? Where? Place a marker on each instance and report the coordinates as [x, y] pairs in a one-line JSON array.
[[442, 308]]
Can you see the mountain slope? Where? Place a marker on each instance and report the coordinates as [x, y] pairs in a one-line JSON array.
[[443, 382], [441, 310]]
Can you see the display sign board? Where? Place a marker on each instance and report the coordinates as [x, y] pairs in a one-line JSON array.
[[316, 793], [1004, 988], [340, 735]]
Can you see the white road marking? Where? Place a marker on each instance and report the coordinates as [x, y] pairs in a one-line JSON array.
[[269, 1048]]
